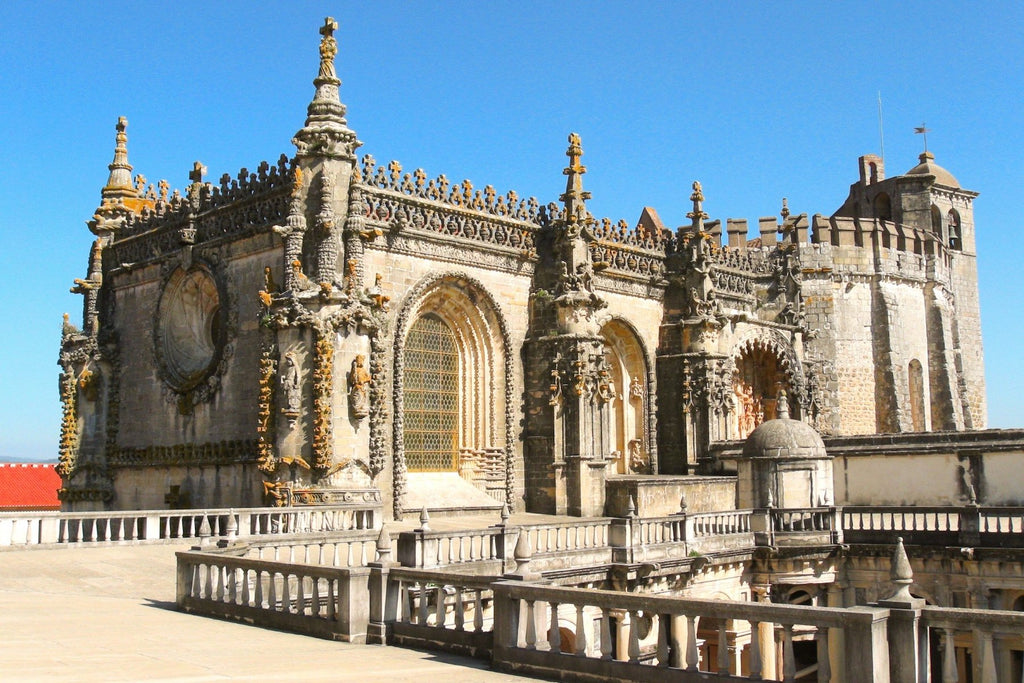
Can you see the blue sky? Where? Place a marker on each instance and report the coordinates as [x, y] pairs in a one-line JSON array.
[[757, 101]]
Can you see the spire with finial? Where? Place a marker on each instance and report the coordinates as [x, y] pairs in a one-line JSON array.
[[785, 209], [900, 574], [326, 132], [697, 215], [119, 183], [120, 196], [575, 197]]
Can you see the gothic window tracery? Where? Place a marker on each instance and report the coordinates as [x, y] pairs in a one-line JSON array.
[[453, 385], [431, 397]]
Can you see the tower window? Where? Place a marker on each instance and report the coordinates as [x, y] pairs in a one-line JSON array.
[[955, 237]]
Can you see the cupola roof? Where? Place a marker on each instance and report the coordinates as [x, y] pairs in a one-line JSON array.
[[927, 166], [784, 439]]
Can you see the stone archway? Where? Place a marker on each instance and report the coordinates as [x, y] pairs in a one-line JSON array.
[[629, 370], [764, 368], [452, 321]]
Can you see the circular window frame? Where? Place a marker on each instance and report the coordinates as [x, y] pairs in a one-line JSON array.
[[197, 385]]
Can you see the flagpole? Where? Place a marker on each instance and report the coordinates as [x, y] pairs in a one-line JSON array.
[[881, 132]]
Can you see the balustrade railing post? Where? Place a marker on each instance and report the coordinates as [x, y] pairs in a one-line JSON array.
[[383, 594], [620, 538], [554, 636], [183, 580], [755, 651], [692, 655], [867, 647], [788, 658], [970, 526], [606, 633], [506, 622], [984, 656], [824, 664]]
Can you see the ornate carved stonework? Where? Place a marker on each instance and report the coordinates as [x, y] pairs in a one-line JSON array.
[[188, 454], [267, 457], [328, 496], [194, 330]]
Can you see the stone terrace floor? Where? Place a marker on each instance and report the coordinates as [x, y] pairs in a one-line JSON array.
[[107, 614]]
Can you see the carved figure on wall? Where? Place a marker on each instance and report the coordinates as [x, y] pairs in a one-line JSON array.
[[579, 379], [556, 384], [636, 388], [291, 387], [967, 478], [637, 458], [275, 493], [302, 283], [585, 277], [359, 388], [374, 296], [87, 384], [351, 276], [605, 385]]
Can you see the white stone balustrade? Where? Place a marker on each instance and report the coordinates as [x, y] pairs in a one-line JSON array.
[[652, 638], [322, 601], [354, 549], [989, 633], [442, 610], [566, 536], [138, 526]]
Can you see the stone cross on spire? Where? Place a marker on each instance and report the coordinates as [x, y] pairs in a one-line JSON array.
[[196, 174], [575, 197], [697, 216], [328, 49]]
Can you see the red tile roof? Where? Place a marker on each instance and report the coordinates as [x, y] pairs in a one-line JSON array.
[[28, 486]]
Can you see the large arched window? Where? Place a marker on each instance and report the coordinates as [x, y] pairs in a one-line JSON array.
[[453, 373], [431, 397]]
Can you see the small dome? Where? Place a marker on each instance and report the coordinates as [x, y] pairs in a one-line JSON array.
[[929, 167], [784, 439]]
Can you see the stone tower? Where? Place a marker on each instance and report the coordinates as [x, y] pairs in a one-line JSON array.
[[916, 236]]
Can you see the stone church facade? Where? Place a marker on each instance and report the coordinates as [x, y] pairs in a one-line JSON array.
[[332, 328]]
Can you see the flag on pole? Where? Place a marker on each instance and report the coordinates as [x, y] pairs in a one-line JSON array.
[[921, 130]]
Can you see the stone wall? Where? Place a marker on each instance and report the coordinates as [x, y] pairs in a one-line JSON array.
[[929, 469]]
